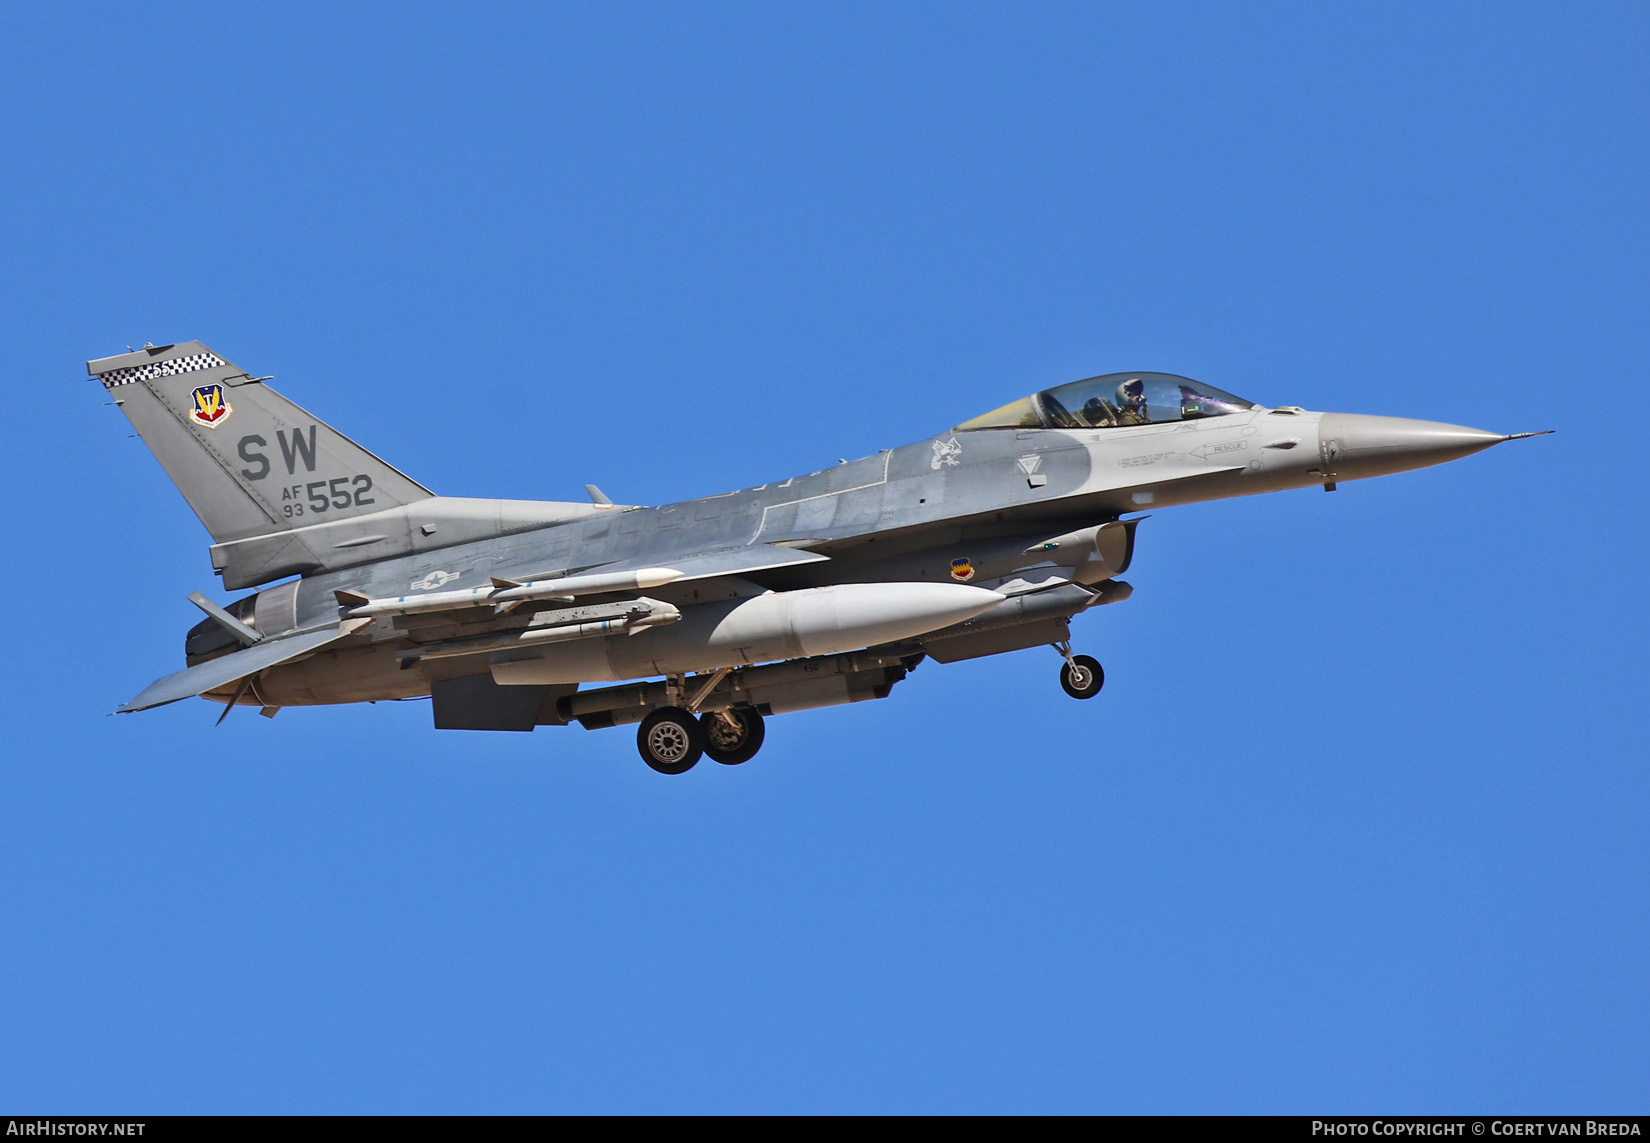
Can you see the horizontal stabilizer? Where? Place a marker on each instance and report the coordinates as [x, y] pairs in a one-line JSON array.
[[214, 673]]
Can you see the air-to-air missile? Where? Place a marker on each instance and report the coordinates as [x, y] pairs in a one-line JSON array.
[[822, 589]]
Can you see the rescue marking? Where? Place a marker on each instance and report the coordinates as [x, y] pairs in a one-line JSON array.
[[1149, 458]]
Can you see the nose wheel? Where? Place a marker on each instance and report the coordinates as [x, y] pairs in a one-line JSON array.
[[1081, 676]]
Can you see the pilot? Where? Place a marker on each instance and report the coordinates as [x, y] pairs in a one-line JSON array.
[[1131, 403]]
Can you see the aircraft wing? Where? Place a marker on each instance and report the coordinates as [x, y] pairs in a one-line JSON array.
[[723, 561], [620, 575], [226, 669]]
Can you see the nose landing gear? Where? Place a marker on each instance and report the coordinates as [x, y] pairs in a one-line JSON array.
[[1082, 676]]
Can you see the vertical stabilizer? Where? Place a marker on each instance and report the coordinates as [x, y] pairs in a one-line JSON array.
[[250, 462]]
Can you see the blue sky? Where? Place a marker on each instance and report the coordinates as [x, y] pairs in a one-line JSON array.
[[1358, 822]]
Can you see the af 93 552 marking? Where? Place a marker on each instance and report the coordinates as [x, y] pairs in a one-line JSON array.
[[318, 496]]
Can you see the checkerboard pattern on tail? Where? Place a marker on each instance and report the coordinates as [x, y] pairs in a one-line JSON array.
[[187, 364]]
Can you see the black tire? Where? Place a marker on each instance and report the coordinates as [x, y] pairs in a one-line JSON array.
[[1086, 680], [670, 741], [731, 747]]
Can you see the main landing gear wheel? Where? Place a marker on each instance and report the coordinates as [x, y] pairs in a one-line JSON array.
[[1081, 677], [732, 736], [670, 740]]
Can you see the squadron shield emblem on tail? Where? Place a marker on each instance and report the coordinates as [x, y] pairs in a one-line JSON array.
[[209, 408]]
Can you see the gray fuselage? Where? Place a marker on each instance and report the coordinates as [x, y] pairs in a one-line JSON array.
[[906, 514]]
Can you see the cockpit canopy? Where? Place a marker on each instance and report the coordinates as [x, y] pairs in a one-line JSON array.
[[1112, 401]]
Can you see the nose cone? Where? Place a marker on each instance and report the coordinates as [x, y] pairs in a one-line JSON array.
[[1351, 445]]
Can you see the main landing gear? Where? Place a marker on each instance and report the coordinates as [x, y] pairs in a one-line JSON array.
[[1082, 676], [671, 740], [732, 736]]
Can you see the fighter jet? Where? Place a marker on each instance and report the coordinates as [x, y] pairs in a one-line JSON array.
[[696, 620]]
